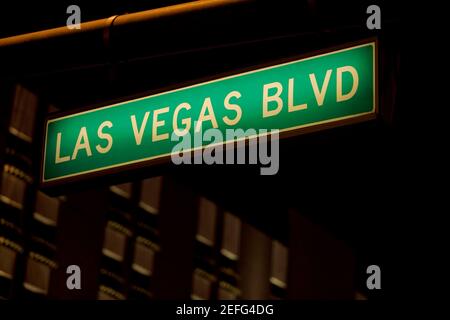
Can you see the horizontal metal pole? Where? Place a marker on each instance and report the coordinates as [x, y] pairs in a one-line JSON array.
[[120, 20]]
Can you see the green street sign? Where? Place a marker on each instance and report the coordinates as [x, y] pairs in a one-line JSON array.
[[323, 90]]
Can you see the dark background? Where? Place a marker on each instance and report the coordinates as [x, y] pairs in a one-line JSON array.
[[350, 180]]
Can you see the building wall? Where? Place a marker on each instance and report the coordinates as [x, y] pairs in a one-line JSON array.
[[155, 238]]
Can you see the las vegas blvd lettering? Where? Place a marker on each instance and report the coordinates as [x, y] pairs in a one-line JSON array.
[[308, 92], [207, 114]]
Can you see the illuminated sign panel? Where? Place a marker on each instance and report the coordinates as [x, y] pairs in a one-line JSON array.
[[312, 93]]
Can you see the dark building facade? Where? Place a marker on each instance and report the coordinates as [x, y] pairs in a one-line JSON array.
[[195, 232]]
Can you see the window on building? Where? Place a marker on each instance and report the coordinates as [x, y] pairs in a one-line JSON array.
[[46, 209], [12, 190], [207, 216], [231, 236], [7, 262], [144, 257], [37, 276], [23, 114], [201, 285], [227, 291], [150, 194], [114, 242], [106, 293], [139, 293], [279, 267], [123, 190], [9, 252]]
